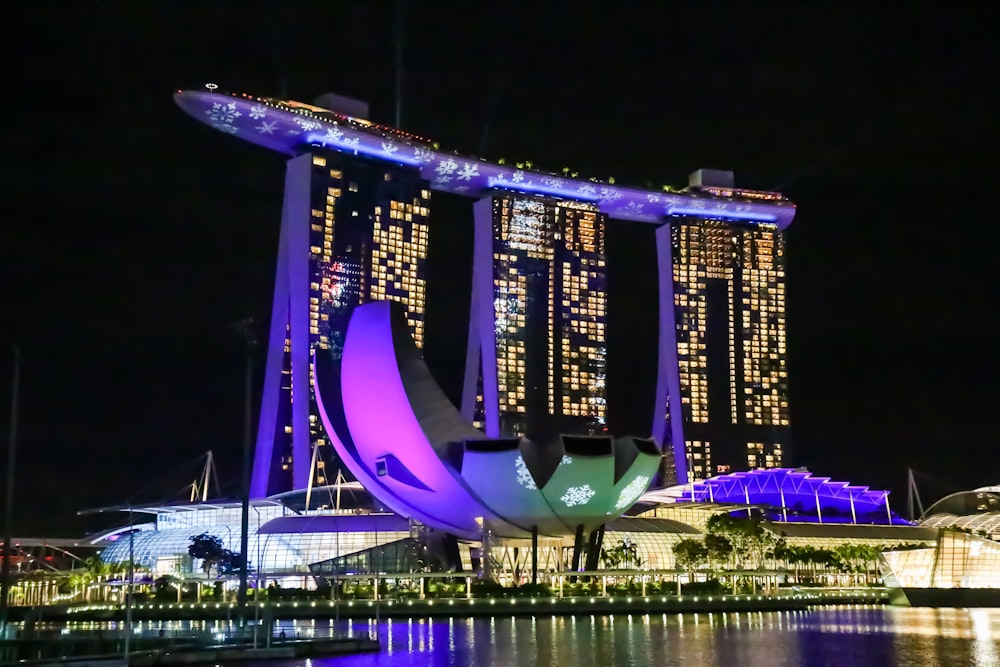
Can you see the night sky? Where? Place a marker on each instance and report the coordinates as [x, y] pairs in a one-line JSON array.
[[133, 236]]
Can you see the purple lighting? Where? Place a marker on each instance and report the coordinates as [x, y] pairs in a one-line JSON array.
[[277, 126], [381, 421], [412, 450]]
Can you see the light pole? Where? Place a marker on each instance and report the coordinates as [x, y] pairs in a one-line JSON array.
[[256, 595], [131, 580], [8, 520], [245, 329]]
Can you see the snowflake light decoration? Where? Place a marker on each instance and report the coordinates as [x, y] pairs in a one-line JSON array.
[[587, 189], [257, 112], [518, 176], [578, 495], [609, 194], [446, 166], [333, 134], [308, 124], [524, 477], [267, 127], [423, 155], [223, 114], [467, 171], [633, 207], [631, 491], [389, 147]]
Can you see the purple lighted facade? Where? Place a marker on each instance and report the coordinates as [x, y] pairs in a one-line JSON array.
[[287, 365], [291, 432], [789, 494], [408, 445], [292, 128]]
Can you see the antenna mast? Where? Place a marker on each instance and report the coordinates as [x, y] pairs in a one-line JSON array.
[[200, 486], [313, 467], [399, 62], [912, 494]]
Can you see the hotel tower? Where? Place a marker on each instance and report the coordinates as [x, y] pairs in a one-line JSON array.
[[722, 388], [353, 230], [535, 365]]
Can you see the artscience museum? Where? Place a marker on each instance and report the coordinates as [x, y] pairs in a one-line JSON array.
[[397, 432]]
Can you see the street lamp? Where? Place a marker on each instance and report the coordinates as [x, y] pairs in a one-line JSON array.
[[245, 328], [8, 527], [131, 581], [256, 595]]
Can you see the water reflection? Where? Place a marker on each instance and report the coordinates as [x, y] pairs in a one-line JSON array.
[[857, 635]]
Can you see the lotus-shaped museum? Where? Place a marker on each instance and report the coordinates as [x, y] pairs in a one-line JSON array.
[[398, 433]]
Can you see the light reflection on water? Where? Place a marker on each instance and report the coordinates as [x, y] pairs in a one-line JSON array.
[[855, 635]]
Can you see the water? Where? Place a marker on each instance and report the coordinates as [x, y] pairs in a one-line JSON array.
[[854, 636], [850, 635]]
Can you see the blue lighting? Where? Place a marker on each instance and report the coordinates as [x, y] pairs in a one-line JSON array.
[[722, 213], [279, 128], [789, 494], [531, 188], [321, 140]]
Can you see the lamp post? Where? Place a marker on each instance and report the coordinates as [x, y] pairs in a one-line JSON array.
[[8, 521], [256, 594], [131, 580], [245, 329]]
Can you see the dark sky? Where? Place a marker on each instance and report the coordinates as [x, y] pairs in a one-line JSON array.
[[133, 236]]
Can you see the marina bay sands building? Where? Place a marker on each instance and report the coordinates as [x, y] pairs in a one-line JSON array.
[[355, 230], [352, 231], [537, 350], [723, 387]]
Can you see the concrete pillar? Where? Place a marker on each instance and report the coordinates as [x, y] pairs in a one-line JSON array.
[[534, 555]]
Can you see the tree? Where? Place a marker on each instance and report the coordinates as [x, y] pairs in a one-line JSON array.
[[689, 554], [209, 549], [624, 555], [750, 540], [718, 549]]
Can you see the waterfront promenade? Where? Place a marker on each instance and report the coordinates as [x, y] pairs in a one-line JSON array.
[[782, 600]]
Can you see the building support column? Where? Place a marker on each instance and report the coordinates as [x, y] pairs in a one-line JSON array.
[[668, 435], [481, 354], [577, 549], [289, 317], [534, 555], [594, 548]]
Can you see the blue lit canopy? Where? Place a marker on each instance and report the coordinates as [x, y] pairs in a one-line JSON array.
[[788, 494]]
